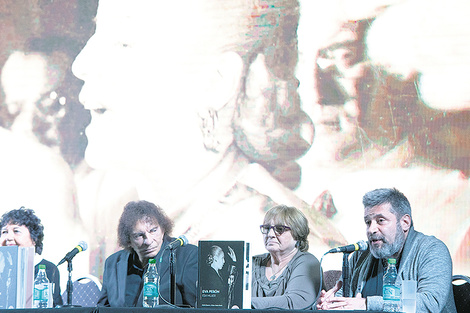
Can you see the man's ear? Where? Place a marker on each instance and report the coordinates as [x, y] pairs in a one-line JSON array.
[[405, 222], [229, 69]]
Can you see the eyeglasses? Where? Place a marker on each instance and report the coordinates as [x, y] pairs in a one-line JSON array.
[[278, 229]]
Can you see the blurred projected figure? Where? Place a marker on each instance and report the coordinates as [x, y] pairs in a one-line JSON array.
[[41, 96], [34, 174], [441, 63], [200, 106], [29, 81], [372, 127]]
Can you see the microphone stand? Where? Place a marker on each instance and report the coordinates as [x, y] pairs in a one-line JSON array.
[[346, 274], [172, 277], [69, 287]]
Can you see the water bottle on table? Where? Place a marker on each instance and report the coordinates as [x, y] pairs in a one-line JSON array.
[[151, 281], [41, 289], [391, 290]]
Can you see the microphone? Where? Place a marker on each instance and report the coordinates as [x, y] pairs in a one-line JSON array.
[[82, 246], [359, 246], [180, 241]]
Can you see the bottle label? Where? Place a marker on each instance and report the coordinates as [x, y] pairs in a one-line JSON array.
[[391, 293], [150, 290], [41, 292]]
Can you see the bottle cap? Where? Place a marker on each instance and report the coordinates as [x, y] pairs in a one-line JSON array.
[[42, 266], [152, 261], [392, 261]]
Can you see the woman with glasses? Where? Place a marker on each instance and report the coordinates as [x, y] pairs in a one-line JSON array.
[[287, 277]]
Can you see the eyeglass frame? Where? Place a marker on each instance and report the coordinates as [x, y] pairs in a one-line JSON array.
[[269, 227]]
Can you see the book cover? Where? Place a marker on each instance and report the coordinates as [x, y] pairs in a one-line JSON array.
[[16, 277], [224, 274]]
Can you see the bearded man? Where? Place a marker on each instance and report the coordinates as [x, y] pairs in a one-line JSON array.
[[390, 232]]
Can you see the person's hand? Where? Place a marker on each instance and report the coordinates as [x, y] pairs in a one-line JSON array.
[[231, 254], [326, 295], [342, 303]]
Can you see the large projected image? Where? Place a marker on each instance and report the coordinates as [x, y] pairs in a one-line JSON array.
[[218, 110]]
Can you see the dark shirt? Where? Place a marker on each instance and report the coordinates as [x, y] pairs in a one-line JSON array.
[[134, 280], [219, 287], [374, 283]]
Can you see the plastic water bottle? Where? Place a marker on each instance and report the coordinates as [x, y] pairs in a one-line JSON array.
[[151, 281], [41, 289], [391, 291]]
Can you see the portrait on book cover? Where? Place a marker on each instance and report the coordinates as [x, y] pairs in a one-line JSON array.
[[220, 274]]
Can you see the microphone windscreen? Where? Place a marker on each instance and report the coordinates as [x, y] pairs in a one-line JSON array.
[[362, 245], [184, 239], [83, 244]]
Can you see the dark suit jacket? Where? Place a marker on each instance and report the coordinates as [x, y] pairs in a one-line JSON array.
[[212, 281], [113, 291]]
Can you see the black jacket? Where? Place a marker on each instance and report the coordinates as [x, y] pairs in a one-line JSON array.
[[185, 268]]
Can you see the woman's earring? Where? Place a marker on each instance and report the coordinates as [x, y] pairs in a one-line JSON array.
[[209, 120]]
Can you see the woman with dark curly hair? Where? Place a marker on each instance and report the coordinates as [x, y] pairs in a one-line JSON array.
[[288, 277], [24, 229], [144, 233]]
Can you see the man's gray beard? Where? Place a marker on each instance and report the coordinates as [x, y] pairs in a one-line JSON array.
[[388, 250]]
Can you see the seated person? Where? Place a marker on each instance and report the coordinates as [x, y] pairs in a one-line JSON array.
[[144, 233], [390, 231], [287, 277], [24, 229]]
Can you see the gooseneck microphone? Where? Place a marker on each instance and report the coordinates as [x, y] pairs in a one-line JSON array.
[[359, 246], [82, 246], [179, 242]]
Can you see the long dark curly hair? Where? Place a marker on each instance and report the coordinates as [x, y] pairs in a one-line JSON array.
[[136, 211]]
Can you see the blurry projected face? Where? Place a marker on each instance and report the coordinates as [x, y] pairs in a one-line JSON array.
[[24, 80], [338, 69], [142, 83], [331, 82]]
